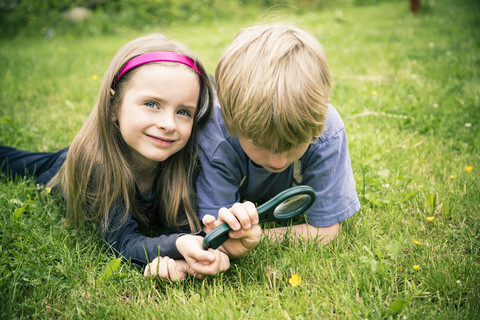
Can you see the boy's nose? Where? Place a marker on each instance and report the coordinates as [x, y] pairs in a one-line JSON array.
[[277, 161]]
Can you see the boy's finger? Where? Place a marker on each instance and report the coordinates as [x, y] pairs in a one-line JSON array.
[[227, 215], [255, 231], [251, 211], [240, 212], [208, 219], [210, 223]]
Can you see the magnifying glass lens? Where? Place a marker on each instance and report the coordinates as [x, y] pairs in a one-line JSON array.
[[291, 206]]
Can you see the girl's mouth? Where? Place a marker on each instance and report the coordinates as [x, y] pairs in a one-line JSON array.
[[160, 141]]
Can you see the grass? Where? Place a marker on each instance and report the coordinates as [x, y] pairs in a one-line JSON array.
[[407, 88]]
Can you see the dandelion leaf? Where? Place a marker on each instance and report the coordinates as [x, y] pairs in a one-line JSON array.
[[398, 305], [110, 268]]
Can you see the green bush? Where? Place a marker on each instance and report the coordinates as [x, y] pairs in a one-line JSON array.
[[31, 16], [46, 17]]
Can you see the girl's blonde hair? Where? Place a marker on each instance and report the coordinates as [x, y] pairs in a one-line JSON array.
[[97, 175], [273, 83]]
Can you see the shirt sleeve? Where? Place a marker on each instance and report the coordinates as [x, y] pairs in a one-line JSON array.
[[327, 169], [218, 181], [126, 242]]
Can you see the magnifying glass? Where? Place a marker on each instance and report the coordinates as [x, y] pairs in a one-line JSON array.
[[285, 205]]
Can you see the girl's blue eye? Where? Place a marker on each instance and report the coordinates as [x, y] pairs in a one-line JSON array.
[[151, 104], [184, 113]]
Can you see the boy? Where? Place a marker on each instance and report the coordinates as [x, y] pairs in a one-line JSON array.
[[275, 129]]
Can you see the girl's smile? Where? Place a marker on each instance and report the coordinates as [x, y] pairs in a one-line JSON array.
[[161, 141]]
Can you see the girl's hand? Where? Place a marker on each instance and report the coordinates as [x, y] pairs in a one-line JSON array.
[[166, 268], [243, 220], [201, 262]]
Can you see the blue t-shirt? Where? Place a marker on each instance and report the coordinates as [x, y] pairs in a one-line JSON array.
[[228, 176]]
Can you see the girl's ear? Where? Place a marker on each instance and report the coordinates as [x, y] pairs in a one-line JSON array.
[[114, 113]]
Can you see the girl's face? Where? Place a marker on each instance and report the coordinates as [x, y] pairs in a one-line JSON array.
[[157, 111]]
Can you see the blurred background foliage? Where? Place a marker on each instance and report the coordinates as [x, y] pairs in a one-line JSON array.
[[92, 17]]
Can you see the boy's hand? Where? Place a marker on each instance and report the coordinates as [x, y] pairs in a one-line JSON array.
[[243, 220], [201, 262]]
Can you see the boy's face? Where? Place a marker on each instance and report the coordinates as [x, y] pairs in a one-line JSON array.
[[270, 161]]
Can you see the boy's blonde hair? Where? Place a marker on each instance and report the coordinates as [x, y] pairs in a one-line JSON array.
[[273, 85], [97, 177]]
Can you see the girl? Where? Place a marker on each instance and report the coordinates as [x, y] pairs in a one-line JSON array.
[[133, 161]]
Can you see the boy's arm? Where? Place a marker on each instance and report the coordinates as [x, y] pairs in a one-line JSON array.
[[306, 231], [326, 167]]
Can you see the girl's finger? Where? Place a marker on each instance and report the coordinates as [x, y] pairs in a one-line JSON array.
[[162, 268], [210, 268], [150, 268], [148, 272], [224, 261], [172, 270], [154, 267], [201, 256]]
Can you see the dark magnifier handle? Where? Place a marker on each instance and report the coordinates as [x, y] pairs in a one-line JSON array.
[[265, 213], [216, 237]]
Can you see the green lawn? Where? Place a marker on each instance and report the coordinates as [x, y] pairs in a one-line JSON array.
[[408, 89]]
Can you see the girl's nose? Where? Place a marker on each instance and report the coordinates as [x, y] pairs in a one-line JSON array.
[[166, 121]]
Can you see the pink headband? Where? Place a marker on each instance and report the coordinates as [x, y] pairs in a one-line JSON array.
[[154, 57]]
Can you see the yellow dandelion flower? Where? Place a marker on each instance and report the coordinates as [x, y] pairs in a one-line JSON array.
[[430, 218], [95, 77], [468, 168], [295, 280], [418, 243], [48, 189], [453, 176], [374, 92], [416, 267]]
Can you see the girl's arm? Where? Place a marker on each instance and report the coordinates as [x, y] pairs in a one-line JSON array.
[[143, 251], [140, 250]]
